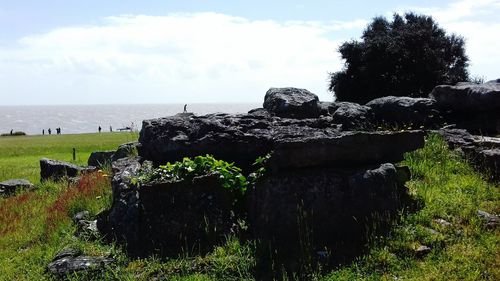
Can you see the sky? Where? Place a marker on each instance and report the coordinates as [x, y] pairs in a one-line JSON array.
[[202, 51]]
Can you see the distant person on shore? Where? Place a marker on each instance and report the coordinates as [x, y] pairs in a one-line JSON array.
[[50, 131], [110, 129], [185, 108], [43, 132], [99, 129], [58, 130], [11, 132]]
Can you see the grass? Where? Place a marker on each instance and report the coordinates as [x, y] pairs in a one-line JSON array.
[[20, 155], [35, 225]]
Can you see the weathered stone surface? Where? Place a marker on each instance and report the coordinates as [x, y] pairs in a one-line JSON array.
[[490, 220], [243, 138], [10, 187], [304, 211], [346, 149], [70, 261], [291, 103], [57, 170], [405, 110], [101, 158], [259, 112], [126, 150], [468, 97], [352, 115], [483, 152], [83, 215], [185, 215], [122, 221]]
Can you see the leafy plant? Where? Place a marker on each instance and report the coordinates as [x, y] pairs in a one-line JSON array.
[[229, 175]]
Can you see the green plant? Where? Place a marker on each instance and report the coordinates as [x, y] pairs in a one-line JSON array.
[[229, 175]]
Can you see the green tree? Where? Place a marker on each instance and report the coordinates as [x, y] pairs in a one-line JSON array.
[[406, 57]]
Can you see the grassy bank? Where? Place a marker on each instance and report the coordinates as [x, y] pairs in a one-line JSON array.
[[36, 225], [20, 155]]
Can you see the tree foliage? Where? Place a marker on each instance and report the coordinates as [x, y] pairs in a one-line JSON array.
[[406, 57]]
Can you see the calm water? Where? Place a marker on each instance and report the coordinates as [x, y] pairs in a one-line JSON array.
[[87, 118]]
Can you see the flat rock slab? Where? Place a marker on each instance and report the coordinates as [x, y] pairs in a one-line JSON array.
[[9, 187], [405, 110]]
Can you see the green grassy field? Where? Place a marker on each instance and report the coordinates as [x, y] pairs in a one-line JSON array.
[[35, 225], [20, 155]]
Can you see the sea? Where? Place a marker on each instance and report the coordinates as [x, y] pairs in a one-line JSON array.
[[76, 119]]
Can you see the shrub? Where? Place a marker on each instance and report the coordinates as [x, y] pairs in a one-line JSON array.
[[406, 57], [14, 134], [229, 175]]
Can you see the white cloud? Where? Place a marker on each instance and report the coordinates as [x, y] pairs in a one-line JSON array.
[[199, 57]]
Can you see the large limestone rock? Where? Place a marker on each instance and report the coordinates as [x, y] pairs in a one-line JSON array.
[[345, 149], [302, 212], [243, 138], [468, 97], [405, 111], [189, 215], [10, 187], [57, 170], [292, 103]]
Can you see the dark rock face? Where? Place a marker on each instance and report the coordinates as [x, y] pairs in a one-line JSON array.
[[123, 219], [405, 110], [70, 261], [292, 103], [101, 158], [301, 212], [10, 187], [468, 97], [186, 216], [352, 115], [57, 170]]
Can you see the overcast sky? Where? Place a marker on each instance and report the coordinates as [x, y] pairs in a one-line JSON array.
[[129, 51]]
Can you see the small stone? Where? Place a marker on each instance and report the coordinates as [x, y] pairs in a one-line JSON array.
[[491, 221], [442, 222], [81, 216], [422, 250]]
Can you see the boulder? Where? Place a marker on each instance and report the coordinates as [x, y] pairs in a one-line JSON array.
[[352, 116], [292, 103], [70, 261], [468, 97], [126, 150], [405, 111], [490, 220], [10, 187], [57, 170], [101, 158], [297, 213]]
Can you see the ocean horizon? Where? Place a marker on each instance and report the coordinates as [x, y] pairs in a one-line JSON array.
[[75, 119]]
